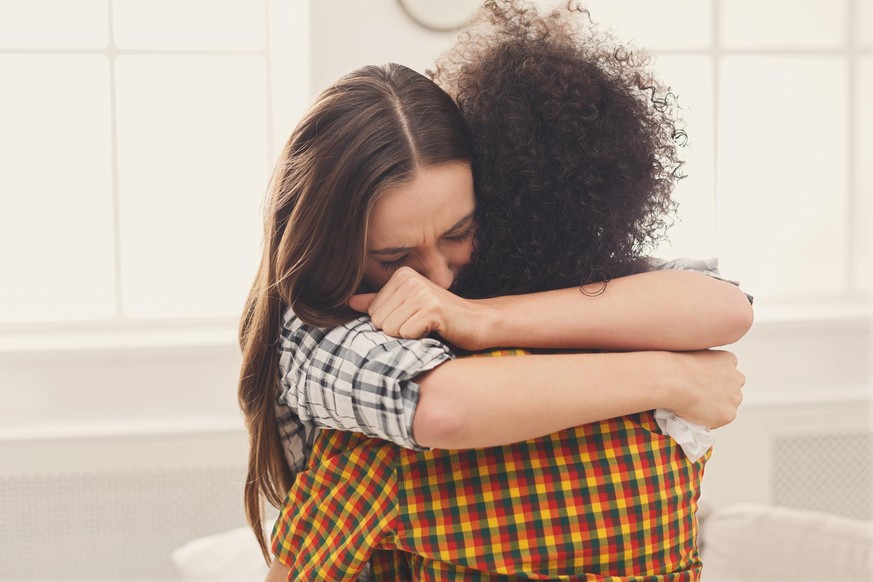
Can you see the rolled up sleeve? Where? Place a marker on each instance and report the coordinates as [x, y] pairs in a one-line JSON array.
[[355, 378], [706, 266]]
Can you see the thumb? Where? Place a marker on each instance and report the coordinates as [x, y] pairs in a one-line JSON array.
[[361, 302]]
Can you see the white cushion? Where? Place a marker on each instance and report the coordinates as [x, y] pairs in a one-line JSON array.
[[232, 555], [753, 542]]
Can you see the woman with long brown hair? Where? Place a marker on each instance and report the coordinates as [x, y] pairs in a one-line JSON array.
[[381, 168]]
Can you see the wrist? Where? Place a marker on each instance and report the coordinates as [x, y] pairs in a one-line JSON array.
[[489, 323], [675, 390]]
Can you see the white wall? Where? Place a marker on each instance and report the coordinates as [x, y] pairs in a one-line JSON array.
[[349, 34]]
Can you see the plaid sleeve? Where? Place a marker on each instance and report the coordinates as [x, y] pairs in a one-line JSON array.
[[296, 437], [354, 377], [706, 266]]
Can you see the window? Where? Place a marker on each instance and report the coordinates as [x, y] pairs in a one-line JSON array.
[[777, 96], [137, 138], [137, 141]]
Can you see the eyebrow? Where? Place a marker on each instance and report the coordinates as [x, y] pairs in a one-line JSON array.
[[395, 250]]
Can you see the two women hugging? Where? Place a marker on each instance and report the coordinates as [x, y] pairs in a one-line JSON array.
[[508, 213]]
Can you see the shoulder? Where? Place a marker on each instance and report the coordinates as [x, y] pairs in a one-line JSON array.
[[355, 342], [708, 266]]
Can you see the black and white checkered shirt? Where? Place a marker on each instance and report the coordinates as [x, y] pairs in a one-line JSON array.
[[352, 377], [356, 378]]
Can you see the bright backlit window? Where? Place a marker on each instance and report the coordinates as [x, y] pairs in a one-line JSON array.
[[778, 99], [137, 139], [136, 142]]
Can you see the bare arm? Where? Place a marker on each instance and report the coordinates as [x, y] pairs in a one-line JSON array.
[[658, 310], [667, 309], [278, 572], [360, 379], [480, 402]]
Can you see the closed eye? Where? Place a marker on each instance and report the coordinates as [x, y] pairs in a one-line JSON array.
[[463, 237], [395, 264]]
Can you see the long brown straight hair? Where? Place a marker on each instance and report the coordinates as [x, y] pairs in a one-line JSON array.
[[367, 132]]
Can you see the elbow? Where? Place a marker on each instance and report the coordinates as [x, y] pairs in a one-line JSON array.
[[739, 318], [438, 419]]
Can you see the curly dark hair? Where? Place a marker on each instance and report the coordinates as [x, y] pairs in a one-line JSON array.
[[575, 149]]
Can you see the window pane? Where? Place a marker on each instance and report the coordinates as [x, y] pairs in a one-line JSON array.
[[193, 170], [56, 235], [782, 174], [690, 78], [864, 23], [189, 24], [783, 23], [290, 68], [864, 174], [667, 24], [53, 24]]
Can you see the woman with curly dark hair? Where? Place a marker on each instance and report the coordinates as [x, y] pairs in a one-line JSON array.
[[574, 151], [574, 160]]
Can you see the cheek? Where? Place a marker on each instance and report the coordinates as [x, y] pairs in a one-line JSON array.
[[374, 277], [464, 253]]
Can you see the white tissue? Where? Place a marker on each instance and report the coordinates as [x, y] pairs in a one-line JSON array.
[[695, 439]]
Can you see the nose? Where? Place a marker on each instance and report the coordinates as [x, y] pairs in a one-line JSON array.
[[437, 269]]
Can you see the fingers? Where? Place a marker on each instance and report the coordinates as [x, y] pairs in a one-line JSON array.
[[406, 306], [719, 388], [387, 307], [418, 326], [361, 302], [390, 312], [400, 278], [734, 390], [412, 316], [391, 320]]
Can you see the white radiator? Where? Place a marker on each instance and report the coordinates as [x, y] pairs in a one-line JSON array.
[[829, 472], [113, 508]]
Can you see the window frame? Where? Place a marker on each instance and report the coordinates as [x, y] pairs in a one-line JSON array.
[[286, 48]]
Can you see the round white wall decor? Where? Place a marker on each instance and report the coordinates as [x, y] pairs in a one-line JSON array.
[[441, 15]]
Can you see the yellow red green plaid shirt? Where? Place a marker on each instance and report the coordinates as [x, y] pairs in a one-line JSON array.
[[609, 500]]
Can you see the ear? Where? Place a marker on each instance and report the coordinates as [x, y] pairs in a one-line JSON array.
[[361, 302]]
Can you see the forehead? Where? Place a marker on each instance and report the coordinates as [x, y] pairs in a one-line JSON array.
[[429, 204]]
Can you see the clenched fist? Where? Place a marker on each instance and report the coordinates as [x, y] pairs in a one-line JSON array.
[[411, 306]]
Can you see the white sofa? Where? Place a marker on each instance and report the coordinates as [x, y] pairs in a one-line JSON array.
[[761, 543], [232, 555]]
